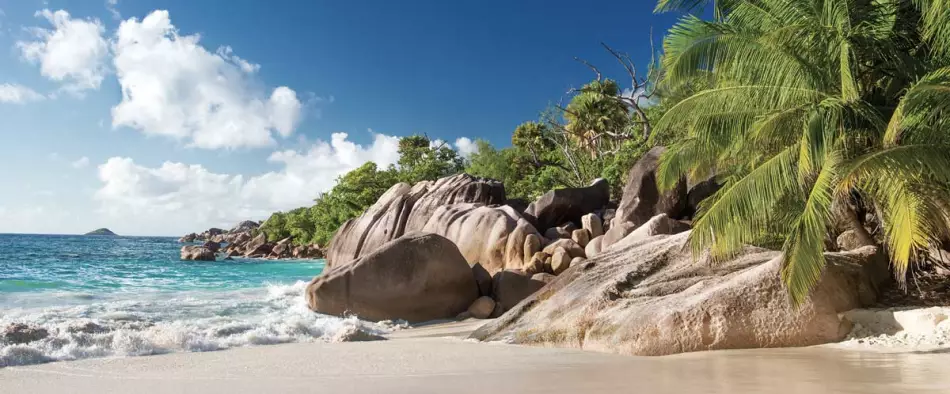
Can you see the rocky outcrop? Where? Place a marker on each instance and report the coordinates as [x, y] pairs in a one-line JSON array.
[[102, 231], [495, 237], [403, 209], [416, 277], [642, 199], [257, 246], [188, 238], [212, 246], [651, 297], [244, 227], [196, 253], [568, 205], [458, 189]]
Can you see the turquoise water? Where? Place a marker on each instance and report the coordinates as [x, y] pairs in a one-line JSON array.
[[129, 296], [98, 264]]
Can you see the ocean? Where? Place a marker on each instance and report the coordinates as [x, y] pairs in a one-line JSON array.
[[100, 296]]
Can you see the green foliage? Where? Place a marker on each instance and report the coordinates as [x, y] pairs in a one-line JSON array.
[[800, 104], [422, 159]]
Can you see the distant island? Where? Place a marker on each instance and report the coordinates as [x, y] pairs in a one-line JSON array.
[[101, 231]]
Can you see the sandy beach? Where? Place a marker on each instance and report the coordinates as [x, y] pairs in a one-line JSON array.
[[436, 360]]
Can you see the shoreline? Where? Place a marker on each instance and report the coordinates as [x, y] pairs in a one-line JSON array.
[[435, 358]]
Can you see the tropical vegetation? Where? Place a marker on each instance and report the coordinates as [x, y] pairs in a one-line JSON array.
[[814, 109], [813, 114]]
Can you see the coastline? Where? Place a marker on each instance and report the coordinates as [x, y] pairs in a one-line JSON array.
[[434, 358]]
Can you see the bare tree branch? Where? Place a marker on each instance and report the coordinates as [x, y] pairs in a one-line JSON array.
[[591, 66]]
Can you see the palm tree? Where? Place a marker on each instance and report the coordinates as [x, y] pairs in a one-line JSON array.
[[596, 113], [813, 102]]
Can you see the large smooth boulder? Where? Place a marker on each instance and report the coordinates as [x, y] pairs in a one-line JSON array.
[[416, 277], [196, 253], [642, 199], [569, 205], [404, 209], [509, 287], [699, 192], [652, 297], [457, 189], [593, 247], [495, 237]]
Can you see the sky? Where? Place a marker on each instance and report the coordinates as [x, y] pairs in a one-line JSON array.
[[168, 117]]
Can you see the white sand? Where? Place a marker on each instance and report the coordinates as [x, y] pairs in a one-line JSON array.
[[423, 361], [899, 329]]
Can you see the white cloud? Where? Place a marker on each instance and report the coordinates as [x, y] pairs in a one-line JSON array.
[[73, 52], [18, 94], [465, 146], [111, 6], [178, 198], [82, 162], [172, 86]]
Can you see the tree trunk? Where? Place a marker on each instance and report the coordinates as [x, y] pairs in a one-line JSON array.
[[864, 237]]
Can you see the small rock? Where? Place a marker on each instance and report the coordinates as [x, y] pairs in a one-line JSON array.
[[581, 236], [482, 307], [592, 223], [560, 261], [20, 333], [536, 264]]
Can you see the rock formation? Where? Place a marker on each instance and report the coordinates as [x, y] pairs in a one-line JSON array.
[[102, 231], [417, 277], [649, 296], [642, 199], [403, 209], [196, 253], [560, 206]]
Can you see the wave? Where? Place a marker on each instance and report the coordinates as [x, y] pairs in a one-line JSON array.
[[156, 323]]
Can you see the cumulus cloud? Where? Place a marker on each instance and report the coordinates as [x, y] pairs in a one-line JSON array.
[[80, 163], [174, 87], [18, 94], [178, 198], [465, 146], [72, 52]]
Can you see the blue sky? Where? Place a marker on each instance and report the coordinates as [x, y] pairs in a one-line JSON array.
[[232, 112]]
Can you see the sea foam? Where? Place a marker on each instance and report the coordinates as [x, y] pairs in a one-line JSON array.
[[155, 323]]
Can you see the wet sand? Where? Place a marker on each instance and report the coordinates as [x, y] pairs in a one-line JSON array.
[[424, 361]]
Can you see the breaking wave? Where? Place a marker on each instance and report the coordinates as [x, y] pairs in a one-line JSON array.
[[90, 325]]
